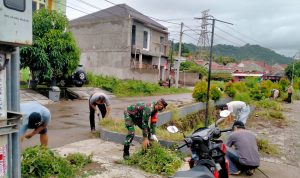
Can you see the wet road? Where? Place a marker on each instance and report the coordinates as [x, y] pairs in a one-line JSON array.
[[70, 118]]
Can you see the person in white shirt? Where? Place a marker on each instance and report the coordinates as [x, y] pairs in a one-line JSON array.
[[238, 110], [100, 100]]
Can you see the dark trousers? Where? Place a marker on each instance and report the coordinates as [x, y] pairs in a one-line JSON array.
[[102, 109], [289, 99]]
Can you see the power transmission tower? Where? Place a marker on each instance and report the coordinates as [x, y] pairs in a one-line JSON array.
[[203, 41]]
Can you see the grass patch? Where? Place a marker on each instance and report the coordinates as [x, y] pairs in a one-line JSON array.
[[41, 162], [117, 125], [265, 147], [269, 114], [156, 160], [122, 88], [268, 104]]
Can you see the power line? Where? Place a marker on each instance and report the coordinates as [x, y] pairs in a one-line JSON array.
[[231, 35], [227, 39], [244, 34]]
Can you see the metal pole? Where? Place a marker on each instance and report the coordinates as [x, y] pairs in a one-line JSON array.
[[293, 69], [179, 55], [3, 116], [8, 95], [209, 73], [15, 106]]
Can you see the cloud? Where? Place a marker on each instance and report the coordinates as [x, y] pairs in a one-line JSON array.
[[272, 24]]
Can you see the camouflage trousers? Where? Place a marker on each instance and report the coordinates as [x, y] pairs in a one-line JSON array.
[[129, 124]]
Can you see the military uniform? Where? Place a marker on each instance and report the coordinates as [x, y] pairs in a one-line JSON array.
[[139, 114]]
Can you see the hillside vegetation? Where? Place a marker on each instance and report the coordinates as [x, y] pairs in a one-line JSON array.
[[254, 52]]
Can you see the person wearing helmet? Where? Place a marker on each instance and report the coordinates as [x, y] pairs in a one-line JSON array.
[[244, 156], [100, 100], [139, 114], [36, 117]]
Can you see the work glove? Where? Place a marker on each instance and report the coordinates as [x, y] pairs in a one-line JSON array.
[[153, 137], [145, 143]]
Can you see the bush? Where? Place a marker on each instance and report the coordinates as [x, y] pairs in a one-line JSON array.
[[268, 104], [251, 82], [256, 93], [242, 97], [221, 76], [229, 89], [283, 84], [200, 91], [240, 86], [130, 87], [215, 93], [156, 159], [41, 162]]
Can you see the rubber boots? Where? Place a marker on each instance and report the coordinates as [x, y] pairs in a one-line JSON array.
[[126, 152]]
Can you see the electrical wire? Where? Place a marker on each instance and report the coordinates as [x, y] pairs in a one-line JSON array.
[[230, 35]]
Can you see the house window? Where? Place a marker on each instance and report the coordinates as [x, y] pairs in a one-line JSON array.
[[146, 39], [133, 35], [34, 6], [162, 46], [18, 5], [38, 4]]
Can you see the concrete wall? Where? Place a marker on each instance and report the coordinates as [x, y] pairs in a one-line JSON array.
[[187, 78]]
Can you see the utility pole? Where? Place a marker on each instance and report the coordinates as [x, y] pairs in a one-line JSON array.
[[171, 63], [179, 55], [210, 61]]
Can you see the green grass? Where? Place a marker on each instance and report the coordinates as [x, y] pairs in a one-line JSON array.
[[42, 162], [123, 88], [267, 148], [156, 160]]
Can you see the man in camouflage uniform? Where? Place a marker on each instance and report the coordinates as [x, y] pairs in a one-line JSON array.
[[139, 114]]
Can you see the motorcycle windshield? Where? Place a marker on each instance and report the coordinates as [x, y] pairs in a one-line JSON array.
[[201, 132]]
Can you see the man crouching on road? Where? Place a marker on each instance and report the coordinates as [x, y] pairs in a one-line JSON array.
[[139, 114], [36, 117]]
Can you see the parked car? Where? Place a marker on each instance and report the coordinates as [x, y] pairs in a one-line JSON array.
[[78, 78]]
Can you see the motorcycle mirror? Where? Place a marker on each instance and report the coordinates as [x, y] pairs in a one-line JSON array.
[[172, 129]]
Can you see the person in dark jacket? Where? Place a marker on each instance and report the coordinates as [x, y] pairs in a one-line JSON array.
[[244, 156]]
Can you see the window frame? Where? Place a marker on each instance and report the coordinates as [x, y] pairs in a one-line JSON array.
[[6, 4], [148, 39]]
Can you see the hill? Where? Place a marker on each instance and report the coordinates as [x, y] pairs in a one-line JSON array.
[[254, 52]]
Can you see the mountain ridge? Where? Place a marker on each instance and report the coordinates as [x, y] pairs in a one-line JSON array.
[[246, 52]]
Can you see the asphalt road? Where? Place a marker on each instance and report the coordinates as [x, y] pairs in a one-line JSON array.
[[70, 118]]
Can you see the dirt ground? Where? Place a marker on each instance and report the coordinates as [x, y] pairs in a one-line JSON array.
[[285, 135]]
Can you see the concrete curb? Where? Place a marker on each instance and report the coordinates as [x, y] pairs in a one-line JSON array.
[[108, 135], [163, 118]]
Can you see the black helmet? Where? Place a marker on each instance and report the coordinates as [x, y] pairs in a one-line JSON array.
[[34, 120], [163, 101]]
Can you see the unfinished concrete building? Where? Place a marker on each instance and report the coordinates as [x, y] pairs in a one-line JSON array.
[[120, 41]]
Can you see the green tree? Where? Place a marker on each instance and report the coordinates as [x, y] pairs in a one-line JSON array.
[[191, 66], [54, 52], [289, 70]]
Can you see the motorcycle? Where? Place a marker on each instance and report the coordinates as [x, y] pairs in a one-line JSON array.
[[208, 153]]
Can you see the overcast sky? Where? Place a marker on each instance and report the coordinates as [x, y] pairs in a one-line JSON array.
[[274, 24]]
